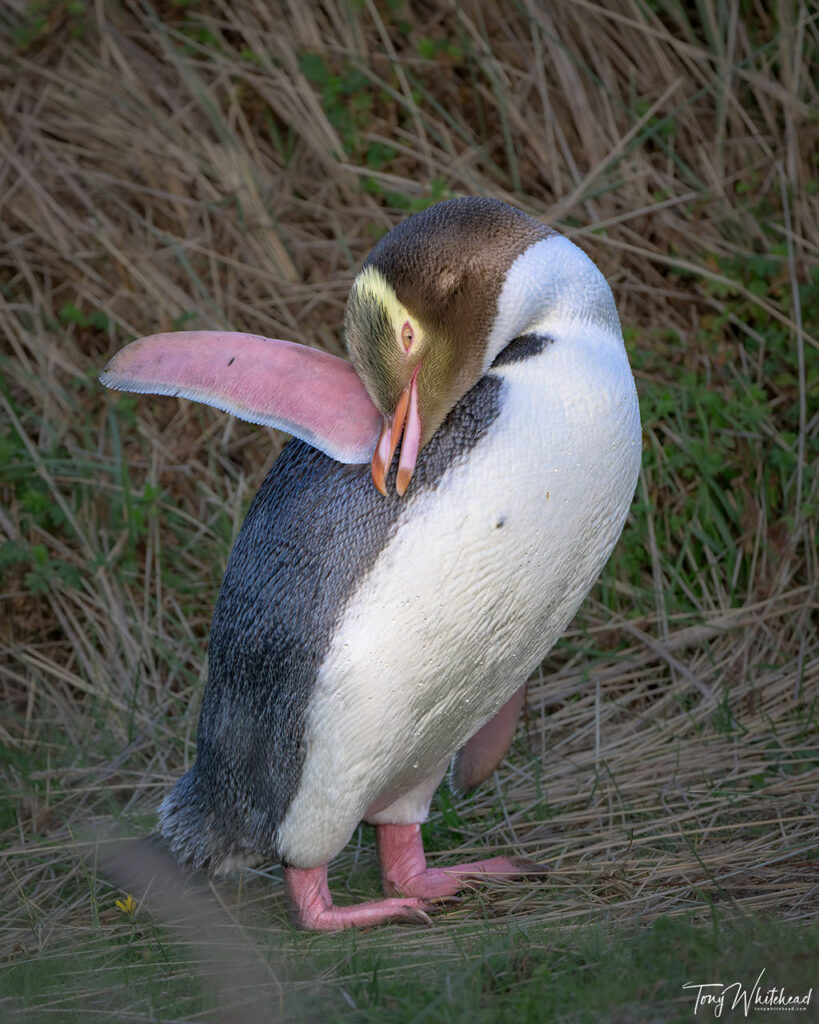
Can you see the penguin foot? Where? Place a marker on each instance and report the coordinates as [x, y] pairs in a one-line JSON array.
[[404, 868], [313, 910]]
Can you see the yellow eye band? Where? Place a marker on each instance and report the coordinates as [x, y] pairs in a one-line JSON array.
[[372, 285]]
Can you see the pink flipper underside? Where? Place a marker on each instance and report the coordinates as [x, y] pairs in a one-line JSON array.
[[404, 870], [482, 754], [308, 393], [313, 907]]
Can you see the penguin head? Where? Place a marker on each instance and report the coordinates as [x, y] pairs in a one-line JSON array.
[[420, 314]]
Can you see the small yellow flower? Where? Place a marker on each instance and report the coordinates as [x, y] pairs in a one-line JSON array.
[[128, 905]]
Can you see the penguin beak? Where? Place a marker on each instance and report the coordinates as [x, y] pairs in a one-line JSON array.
[[405, 419]]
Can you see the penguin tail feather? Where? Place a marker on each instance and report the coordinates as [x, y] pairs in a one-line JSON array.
[[186, 823]]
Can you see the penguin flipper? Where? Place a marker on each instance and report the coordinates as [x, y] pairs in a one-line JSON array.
[[306, 392], [482, 754]]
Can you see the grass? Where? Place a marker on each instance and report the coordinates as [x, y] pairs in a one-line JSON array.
[[179, 164], [486, 973]]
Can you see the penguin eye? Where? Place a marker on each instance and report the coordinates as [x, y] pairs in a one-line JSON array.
[[407, 335]]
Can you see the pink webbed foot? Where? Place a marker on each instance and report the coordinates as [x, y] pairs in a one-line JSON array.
[[312, 904], [404, 868]]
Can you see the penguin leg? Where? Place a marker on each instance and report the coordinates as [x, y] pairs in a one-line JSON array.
[[404, 870], [313, 909]]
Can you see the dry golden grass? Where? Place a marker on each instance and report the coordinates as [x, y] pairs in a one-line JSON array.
[[227, 164]]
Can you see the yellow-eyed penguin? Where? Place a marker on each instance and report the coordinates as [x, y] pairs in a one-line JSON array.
[[362, 641]]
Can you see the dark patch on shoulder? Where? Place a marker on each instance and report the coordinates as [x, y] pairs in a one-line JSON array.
[[232, 360], [523, 347], [312, 533]]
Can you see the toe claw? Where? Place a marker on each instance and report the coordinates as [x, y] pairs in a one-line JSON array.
[[526, 868], [419, 916]]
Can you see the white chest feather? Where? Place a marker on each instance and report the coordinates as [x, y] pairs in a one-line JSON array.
[[476, 585]]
